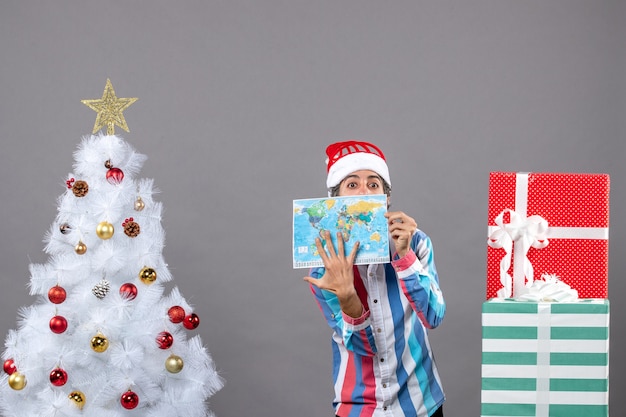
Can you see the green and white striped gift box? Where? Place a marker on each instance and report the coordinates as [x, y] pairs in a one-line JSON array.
[[545, 359]]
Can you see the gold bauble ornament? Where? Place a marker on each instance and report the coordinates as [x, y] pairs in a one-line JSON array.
[[78, 398], [174, 364], [147, 275], [105, 230], [99, 343], [139, 204], [17, 381], [80, 248]]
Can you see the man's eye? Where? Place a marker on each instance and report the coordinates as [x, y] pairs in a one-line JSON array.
[[351, 185], [374, 185]]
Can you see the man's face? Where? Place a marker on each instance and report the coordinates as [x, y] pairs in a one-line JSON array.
[[361, 183]]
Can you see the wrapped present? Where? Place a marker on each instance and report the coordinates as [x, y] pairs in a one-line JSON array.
[[548, 223], [545, 359]]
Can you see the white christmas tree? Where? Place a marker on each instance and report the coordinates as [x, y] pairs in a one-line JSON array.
[[103, 338]]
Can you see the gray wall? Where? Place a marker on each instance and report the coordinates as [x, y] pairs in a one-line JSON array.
[[237, 101]]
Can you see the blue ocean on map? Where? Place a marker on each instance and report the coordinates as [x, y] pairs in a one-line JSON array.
[[358, 218]]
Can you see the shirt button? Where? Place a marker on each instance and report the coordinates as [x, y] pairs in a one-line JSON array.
[[375, 301], [385, 408], [332, 315], [382, 359], [384, 385], [379, 330]]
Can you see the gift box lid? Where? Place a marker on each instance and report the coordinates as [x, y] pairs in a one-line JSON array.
[[563, 199]]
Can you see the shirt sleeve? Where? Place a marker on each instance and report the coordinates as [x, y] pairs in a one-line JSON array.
[[419, 280], [356, 333]]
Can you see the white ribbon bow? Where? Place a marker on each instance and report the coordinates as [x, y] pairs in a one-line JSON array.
[[526, 232], [548, 288]]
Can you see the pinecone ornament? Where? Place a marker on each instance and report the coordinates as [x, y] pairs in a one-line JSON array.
[[101, 289], [80, 188], [131, 227]]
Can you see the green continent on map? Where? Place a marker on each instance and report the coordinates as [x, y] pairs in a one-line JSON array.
[[318, 211]]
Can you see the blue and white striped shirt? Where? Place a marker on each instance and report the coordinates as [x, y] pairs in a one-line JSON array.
[[382, 361]]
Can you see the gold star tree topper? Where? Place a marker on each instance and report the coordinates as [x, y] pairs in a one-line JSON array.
[[110, 110]]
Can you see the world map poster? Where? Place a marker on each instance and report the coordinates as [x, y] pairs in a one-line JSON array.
[[358, 218]]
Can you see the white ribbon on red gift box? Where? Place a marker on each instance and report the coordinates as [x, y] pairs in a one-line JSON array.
[[526, 232], [548, 289]]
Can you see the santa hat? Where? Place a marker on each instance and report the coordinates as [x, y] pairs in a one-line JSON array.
[[344, 158]]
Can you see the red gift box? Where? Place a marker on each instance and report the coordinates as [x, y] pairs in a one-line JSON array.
[[548, 223]]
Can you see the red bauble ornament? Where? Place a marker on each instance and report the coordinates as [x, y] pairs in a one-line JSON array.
[[58, 377], [129, 400], [58, 324], [165, 340], [128, 291], [115, 176], [191, 321], [57, 294], [9, 366], [176, 313]]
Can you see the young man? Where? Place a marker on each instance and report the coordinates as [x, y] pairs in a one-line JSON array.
[[382, 361]]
